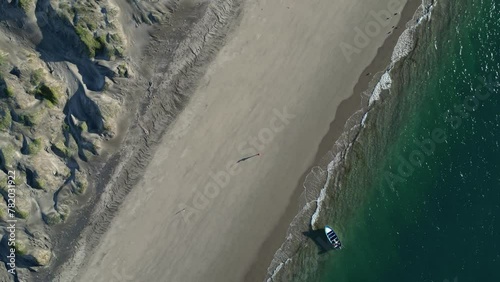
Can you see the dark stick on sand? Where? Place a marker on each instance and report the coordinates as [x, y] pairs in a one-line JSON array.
[[180, 211], [246, 158]]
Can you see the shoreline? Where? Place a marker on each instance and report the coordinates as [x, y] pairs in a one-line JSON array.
[[108, 254], [347, 108]]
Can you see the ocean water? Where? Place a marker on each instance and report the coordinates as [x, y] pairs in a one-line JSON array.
[[417, 197]]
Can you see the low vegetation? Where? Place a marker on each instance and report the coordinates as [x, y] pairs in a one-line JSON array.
[[30, 119], [122, 70], [36, 77], [94, 23], [20, 248], [8, 91], [36, 140], [26, 4], [52, 218], [5, 119], [81, 183], [60, 149], [21, 214], [88, 39], [7, 156], [34, 146], [40, 184], [47, 93]]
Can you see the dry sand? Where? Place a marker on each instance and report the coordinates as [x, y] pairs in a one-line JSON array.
[[284, 55]]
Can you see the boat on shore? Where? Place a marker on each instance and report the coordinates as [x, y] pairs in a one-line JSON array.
[[332, 237]]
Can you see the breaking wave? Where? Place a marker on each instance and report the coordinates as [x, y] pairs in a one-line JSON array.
[[327, 175]]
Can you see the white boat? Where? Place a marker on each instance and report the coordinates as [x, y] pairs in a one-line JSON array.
[[332, 237]]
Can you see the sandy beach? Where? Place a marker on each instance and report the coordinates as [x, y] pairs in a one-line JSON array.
[[274, 89]]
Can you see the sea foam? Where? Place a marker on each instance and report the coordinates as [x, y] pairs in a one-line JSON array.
[[384, 83], [403, 48], [322, 194]]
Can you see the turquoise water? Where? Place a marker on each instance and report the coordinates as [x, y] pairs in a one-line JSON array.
[[412, 209], [416, 197]]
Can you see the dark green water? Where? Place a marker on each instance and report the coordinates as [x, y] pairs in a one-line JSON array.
[[416, 197], [412, 214]]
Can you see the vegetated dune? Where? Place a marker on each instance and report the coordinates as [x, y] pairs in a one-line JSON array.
[[57, 106], [80, 82]]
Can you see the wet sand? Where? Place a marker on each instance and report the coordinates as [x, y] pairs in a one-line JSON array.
[[283, 58], [345, 110]]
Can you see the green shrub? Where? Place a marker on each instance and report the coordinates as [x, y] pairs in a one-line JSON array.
[[63, 6], [8, 91], [114, 37], [31, 119], [2, 59], [88, 39], [91, 24], [25, 4], [7, 156], [52, 218], [61, 149], [63, 212], [84, 126], [40, 184], [36, 77], [80, 182], [21, 214], [80, 187], [102, 40], [35, 146], [122, 70], [20, 248], [5, 119], [106, 48], [119, 51], [48, 93]]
